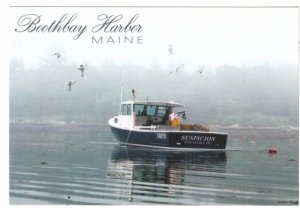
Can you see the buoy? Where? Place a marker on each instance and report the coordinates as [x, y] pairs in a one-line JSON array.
[[272, 151]]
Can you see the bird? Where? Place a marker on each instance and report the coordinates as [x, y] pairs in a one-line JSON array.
[[82, 68], [170, 50], [178, 68], [57, 54], [69, 84], [200, 69]]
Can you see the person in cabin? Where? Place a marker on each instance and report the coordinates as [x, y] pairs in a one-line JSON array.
[[166, 119], [144, 112], [174, 120]]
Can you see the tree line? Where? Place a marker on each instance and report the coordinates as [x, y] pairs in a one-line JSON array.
[[262, 95]]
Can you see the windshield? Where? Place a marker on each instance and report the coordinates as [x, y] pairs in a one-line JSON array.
[[139, 110], [149, 110]]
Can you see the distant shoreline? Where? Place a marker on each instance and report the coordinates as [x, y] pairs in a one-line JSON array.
[[61, 123]]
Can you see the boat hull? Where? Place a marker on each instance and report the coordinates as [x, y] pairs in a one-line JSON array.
[[171, 139]]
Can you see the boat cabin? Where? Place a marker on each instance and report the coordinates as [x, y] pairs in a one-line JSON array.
[[143, 114]]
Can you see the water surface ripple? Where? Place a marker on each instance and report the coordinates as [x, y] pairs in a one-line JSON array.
[[89, 167]]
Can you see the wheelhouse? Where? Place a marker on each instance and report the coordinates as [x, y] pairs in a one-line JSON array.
[[145, 113]]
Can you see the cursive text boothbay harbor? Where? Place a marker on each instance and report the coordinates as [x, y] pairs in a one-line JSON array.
[[107, 26]]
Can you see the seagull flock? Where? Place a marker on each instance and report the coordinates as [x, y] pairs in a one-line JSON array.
[[199, 70], [81, 68]]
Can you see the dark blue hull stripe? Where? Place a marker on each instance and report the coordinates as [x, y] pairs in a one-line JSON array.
[[177, 139]]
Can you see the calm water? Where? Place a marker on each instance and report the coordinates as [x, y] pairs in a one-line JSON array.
[[70, 164]]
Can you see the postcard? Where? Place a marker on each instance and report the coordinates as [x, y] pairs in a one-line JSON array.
[[145, 103]]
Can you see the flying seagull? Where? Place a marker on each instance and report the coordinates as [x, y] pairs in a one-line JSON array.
[[200, 69], [170, 50], [178, 68], [57, 54], [82, 68], [69, 84]]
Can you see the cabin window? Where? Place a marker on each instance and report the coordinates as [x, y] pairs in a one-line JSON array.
[[124, 109], [129, 109], [161, 111], [139, 110], [151, 110]]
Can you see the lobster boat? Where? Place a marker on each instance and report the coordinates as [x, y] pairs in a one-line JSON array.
[[160, 124]]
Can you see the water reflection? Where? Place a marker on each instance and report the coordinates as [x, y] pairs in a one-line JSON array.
[[161, 173], [72, 168]]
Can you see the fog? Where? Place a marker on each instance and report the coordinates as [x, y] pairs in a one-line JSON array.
[[250, 57], [258, 96]]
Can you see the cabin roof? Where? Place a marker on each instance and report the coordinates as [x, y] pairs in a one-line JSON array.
[[160, 103]]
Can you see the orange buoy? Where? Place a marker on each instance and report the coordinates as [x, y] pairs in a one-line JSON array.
[[272, 151]]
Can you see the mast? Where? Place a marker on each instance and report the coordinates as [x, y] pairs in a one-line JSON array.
[[121, 95]]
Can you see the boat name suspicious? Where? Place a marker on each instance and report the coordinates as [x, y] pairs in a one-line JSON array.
[[198, 138]]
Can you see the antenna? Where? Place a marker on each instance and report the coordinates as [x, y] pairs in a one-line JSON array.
[[121, 96]]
